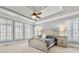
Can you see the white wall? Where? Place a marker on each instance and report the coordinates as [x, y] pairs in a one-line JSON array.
[[53, 24], [56, 23]]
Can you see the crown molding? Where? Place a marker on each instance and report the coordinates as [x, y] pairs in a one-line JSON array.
[[9, 12], [59, 17]]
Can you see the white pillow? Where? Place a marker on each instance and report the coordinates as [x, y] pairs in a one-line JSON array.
[[43, 36]]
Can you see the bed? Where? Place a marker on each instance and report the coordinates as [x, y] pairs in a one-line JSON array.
[[44, 43]]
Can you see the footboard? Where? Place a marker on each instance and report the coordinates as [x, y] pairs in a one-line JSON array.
[[38, 44]]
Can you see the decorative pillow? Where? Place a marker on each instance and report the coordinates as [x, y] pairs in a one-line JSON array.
[[49, 36], [40, 36], [43, 36]]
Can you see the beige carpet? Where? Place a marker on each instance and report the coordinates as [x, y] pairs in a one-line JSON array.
[[57, 49], [22, 47]]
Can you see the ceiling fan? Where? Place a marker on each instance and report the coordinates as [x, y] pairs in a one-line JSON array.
[[36, 14]]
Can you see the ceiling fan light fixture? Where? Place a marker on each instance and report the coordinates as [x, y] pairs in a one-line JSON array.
[[34, 17]]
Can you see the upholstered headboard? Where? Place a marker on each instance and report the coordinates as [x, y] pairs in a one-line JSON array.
[[49, 32]]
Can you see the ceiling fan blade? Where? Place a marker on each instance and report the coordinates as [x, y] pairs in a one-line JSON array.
[[38, 16], [39, 13]]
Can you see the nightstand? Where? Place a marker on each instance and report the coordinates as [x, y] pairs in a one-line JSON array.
[[62, 41]]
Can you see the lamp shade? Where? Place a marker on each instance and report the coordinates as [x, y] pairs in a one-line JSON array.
[[62, 28]]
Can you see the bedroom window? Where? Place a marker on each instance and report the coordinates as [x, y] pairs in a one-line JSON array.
[[18, 31], [5, 29], [68, 31], [9, 30], [13, 30], [28, 31], [72, 31], [75, 24], [2, 29]]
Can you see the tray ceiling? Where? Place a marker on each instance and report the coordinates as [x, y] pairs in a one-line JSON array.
[[26, 11], [48, 12]]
